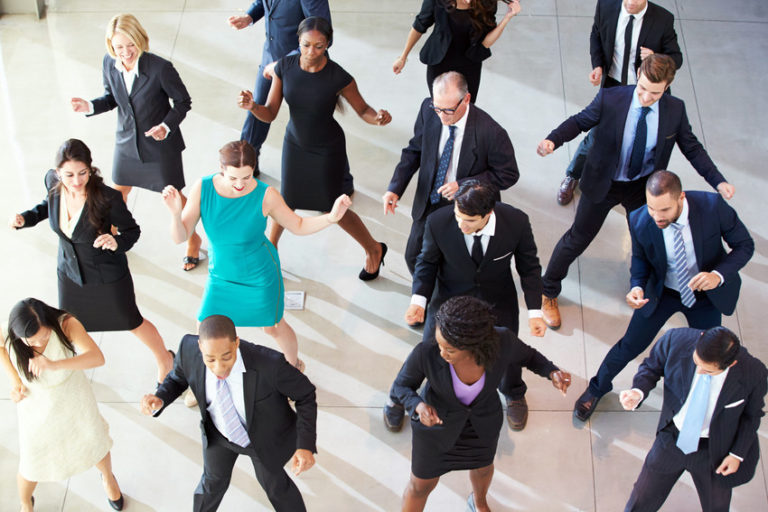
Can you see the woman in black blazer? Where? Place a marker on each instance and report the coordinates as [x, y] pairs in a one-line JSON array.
[[464, 32], [95, 284], [151, 102], [457, 418]]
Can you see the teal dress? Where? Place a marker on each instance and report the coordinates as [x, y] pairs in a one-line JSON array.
[[244, 278]]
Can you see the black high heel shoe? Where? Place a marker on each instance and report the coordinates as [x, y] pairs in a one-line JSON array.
[[368, 276], [119, 502]]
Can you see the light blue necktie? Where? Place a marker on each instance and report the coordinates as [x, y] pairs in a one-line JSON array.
[[688, 439], [681, 266], [442, 167], [234, 430]]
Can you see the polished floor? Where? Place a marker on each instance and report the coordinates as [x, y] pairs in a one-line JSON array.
[[351, 334]]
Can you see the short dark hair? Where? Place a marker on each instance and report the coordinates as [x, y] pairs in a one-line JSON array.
[[217, 326], [658, 68], [467, 323], [664, 182], [475, 197], [718, 345], [318, 23], [238, 153]]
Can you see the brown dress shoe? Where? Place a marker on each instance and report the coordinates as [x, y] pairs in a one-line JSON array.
[[517, 413], [551, 312], [565, 193]]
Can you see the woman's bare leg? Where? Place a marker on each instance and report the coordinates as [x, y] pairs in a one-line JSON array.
[[149, 336], [108, 480], [286, 339], [417, 492], [353, 225], [481, 482], [26, 488]]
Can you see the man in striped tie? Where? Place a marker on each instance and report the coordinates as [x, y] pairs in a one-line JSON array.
[[242, 391], [678, 265]]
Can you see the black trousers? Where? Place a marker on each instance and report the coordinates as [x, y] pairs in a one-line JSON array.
[[415, 238], [219, 456], [663, 467], [589, 219]]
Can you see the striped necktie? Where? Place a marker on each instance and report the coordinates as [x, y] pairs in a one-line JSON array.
[[681, 266], [442, 167], [234, 430], [688, 438]]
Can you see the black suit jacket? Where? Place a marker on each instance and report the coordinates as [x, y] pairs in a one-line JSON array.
[[445, 268], [736, 418], [607, 115], [275, 430], [433, 52], [484, 412], [77, 258], [486, 154], [657, 34], [711, 222], [147, 106]]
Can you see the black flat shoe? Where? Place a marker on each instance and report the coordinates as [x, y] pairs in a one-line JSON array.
[[368, 276]]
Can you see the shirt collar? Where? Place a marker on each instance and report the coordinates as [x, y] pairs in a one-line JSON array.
[[461, 123], [682, 220], [623, 14], [134, 72], [490, 228]]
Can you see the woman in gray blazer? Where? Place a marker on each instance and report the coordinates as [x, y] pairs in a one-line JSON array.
[[151, 102]]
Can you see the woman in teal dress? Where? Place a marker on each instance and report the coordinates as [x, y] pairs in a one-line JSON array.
[[244, 278]]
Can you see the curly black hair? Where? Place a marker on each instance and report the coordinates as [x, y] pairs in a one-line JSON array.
[[467, 323]]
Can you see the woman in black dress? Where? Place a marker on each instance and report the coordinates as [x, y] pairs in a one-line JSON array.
[[464, 32], [151, 102], [95, 284], [457, 419], [314, 148]]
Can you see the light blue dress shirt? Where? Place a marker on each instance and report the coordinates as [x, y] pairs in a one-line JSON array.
[[652, 122]]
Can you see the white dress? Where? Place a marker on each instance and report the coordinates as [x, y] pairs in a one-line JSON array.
[[61, 432]]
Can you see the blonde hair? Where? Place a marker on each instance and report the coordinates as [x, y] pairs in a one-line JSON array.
[[129, 26]]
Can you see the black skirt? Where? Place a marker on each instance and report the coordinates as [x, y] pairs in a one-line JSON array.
[[132, 172], [101, 307], [469, 452]]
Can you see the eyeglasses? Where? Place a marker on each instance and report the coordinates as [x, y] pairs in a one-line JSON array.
[[447, 111]]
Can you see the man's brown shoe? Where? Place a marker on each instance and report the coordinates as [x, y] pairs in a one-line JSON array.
[[565, 192], [551, 312], [517, 413]]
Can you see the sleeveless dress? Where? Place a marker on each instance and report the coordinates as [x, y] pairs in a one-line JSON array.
[[315, 163], [61, 432], [244, 278]]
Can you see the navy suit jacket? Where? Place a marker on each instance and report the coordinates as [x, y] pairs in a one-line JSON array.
[[657, 34], [486, 154], [445, 268], [711, 221], [607, 115], [275, 430], [147, 106], [736, 418], [281, 20]]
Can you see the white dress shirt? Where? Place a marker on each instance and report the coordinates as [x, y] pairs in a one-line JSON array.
[[618, 48], [67, 224], [458, 137], [235, 382]]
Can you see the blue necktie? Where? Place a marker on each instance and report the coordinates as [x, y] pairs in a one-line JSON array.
[[235, 431], [681, 266], [638, 146], [442, 167], [688, 439]]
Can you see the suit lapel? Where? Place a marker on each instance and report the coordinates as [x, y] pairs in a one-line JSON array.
[[644, 31], [432, 142], [687, 370], [142, 78], [659, 249], [622, 112], [249, 391], [661, 133], [733, 388], [467, 155], [118, 85], [612, 21]]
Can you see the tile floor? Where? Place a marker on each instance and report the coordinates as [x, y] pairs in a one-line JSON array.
[[351, 334]]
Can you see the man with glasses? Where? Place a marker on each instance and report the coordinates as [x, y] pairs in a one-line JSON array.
[[452, 142]]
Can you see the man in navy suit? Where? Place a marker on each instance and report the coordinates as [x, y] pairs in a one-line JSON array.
[[649, 29], [678, 265], [242, 391], [713, 401], [468, 250], [634, 130], [281, 21], [452, 141]]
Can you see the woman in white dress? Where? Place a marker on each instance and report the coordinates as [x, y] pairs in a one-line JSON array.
[[61, 432]]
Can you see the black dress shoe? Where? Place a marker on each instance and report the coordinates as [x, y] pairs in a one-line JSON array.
[[116, 504], [585, 405], [368, 276], [394, 417]]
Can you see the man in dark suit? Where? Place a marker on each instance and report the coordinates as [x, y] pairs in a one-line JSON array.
[[623, 34], [678, 265], [281, 21], [452, 141], [468, 250], [713, 402], [635, 130], [243, 390]]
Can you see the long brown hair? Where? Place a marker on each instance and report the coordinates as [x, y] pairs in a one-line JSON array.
[[482, 14], [75, 150]]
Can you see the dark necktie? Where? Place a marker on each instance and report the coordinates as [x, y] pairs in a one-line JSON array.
[[442, 167], [477, 249], [627, 50], [638, 146]]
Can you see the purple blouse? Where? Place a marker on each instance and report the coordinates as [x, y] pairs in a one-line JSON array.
[[466, 393]]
